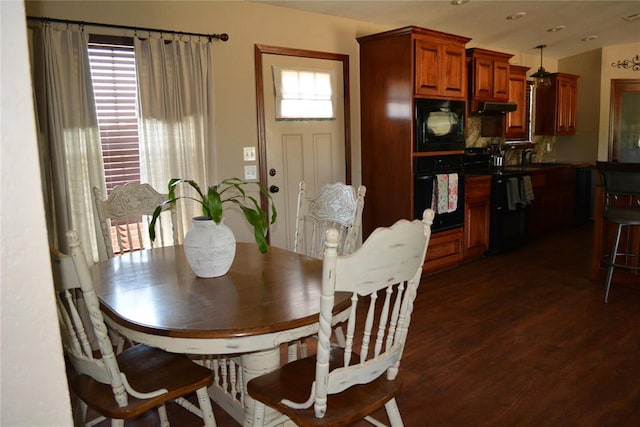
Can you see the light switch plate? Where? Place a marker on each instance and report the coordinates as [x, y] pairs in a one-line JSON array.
[[249, 154], [250, 172]]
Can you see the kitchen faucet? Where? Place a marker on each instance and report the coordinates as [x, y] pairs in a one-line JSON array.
[[527, 152]]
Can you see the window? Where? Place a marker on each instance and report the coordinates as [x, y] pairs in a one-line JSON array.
[[303, 94], [113, 74]]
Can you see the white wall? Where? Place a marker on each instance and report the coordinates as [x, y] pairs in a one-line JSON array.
[[583, 146], [34, 387]]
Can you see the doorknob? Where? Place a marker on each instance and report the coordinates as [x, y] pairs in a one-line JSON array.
[[274, 189]]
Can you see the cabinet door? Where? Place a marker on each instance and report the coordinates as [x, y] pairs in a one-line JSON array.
[[477, 212], [428, 68], [567, 105], [483, 78], [500, 80], [517, 120], [440, 70], [454, 79]]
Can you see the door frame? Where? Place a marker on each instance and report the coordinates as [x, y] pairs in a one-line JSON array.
[[618, 87], [260, 50]]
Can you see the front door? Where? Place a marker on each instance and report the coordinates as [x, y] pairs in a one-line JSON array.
[[299, 149], [624, 133]]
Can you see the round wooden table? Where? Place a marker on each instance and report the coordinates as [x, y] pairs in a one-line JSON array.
[[265, 300]]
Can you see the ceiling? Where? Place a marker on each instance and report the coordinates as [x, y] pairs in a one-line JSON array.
[[486, 22]]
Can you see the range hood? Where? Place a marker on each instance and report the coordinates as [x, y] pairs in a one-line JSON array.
[[495, 108]]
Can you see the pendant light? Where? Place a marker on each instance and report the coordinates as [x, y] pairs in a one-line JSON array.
[[542, 76]]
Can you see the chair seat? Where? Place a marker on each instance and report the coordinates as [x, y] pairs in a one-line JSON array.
[[293, 382], [147, 369], [628, 215]]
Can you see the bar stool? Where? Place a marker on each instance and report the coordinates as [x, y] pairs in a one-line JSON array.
[[621, 183]]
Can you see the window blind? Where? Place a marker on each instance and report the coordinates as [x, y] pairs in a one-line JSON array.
[[113, 75]]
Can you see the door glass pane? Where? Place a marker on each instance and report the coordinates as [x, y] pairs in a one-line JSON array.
[[629, 142]]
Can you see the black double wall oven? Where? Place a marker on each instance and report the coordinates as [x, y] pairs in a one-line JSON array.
[[438, 169]]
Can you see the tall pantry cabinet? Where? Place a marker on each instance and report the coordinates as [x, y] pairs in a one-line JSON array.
[[397, 67]]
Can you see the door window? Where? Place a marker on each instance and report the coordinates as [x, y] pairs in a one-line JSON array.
[[303, 94]]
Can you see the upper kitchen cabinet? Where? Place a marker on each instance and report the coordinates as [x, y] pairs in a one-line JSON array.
[[488, 76], [516, 121], [556, 106], [440, 65]]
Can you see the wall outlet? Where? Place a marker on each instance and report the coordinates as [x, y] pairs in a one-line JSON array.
[[548, 147], [249, 154], [250, 172]]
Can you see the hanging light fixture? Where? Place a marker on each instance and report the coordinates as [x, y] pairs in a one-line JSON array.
[[542, 76]]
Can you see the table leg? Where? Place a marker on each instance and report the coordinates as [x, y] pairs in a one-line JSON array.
[[254, 365]]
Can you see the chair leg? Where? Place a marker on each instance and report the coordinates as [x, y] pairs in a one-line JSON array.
[[162, 413], [612, 261], [393, 413], [340, 339]]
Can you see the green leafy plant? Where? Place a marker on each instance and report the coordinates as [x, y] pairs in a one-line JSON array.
[[228, 191]]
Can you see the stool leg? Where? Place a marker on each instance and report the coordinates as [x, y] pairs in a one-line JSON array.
[[614, 251]]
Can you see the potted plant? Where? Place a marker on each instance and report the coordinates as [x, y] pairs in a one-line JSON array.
[[209, 229]]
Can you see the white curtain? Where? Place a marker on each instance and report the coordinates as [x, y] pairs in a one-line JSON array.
[[69, 140], [175, 90]]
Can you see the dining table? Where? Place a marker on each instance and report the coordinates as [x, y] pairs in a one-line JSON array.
[[237, 320]]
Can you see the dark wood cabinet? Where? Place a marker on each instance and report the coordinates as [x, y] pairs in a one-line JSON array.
[[395, 68], [477, 211], [556, 106], [553, 206], [440, 68], [516, 121], [488, 76]]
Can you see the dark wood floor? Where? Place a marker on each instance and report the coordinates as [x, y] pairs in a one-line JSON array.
[[521, 339]]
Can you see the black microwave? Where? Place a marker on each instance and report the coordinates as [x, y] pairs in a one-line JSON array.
[[439, 124]]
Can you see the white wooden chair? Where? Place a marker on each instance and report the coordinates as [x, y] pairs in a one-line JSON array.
[[135, 381], [126, 211], [336, 206], [339, 386]]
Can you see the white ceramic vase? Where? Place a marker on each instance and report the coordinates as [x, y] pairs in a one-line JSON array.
[[209, 247]]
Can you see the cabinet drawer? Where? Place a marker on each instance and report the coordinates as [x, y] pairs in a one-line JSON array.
[[477, 187], [444, 251]]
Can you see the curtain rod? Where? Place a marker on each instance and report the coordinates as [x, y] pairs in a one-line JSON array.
[[223, 37]]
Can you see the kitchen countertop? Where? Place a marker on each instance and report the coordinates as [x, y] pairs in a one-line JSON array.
[[548, 165]]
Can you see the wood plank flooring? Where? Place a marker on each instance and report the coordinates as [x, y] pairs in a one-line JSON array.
[[520, 339]]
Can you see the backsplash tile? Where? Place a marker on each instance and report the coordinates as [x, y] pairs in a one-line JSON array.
[[512, 157]]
